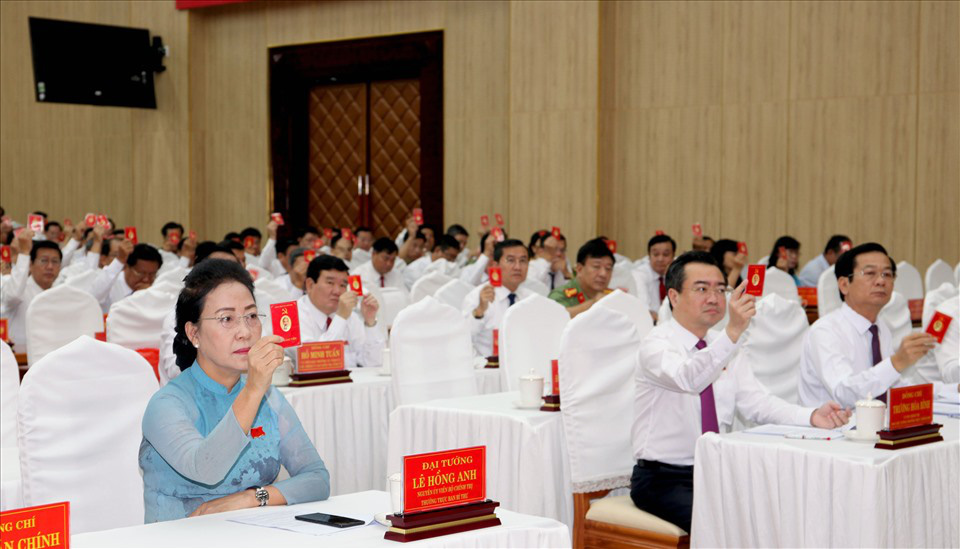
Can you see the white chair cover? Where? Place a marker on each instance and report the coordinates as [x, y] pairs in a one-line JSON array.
[[908, 282], [427, 284], [9, 387], [598, 352], [828, 292], [57, 317], [83, 280], [645, 260], [258, 273], [934, 298], [79, 416], [136, 322], [634, 308], [623, 278], [665, 313], [176, 274], [444, 267], [530, 339], [772, 343], [938, 273], [431, 355], [897, 316], [536, 286], [780, 283], [452, 293], [392, 301]]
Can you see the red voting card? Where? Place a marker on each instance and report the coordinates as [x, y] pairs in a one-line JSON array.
[[497, 234], [499, 219], [346, 232], [130, 233], [309, 255], [193, 235], [555, 370], [286, 323], [485, 221], [5, 255], [254, 274], [938, 326], [612, 246], [659, 232], [4, 329], [35, 222], [755, 274], [103, 221], [248, 242], [277, 217], [67, 222], [742, 248], [174, 238], [496, 277], [845, 246], [697, 230], [317, 243], [356, 284], [90, 220], [328, 234], [555, 232], [418, 216]]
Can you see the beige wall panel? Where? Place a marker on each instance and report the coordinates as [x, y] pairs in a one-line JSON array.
[[753, 198], [476, 171], [853, 170], [841, 49], [755, 45], [668, 54], [938, 180], [476, 60], [940, 46], [668, 175]]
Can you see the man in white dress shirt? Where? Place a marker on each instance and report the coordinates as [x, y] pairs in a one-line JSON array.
[[295, 280], [135, 268], [363, 244], [847, 354], [36, 267], [485, 305], [947, 353], [379, 271], [549, 264], [810, 274], [327, 313], [684, 387], [460, 233], [661, 250]]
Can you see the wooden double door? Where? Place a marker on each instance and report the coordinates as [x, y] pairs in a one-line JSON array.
[[356, 132]]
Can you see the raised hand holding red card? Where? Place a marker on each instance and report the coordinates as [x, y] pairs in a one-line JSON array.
[[755, 276], [555, 232], [356, 284], [499, 219], [286, 323], [496, 276], [612, 246], [90, 220], [742, 248], [485, 221], [938, 326], [418, 216], [35, 222], [277, 217], [497, 233], [130, 233], [697, 230], [6, 256]]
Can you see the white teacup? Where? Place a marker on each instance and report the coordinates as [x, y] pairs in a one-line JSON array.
[[395, 482], [385, 367], [870, 414], [531, 389], [281, 376]]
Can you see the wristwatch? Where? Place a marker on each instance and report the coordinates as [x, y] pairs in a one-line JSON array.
[[261, 493]]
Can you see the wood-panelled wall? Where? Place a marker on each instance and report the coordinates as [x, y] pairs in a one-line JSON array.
[[67, 160], [753, 118]]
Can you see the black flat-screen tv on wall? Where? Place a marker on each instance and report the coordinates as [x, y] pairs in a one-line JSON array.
[[92, 64]]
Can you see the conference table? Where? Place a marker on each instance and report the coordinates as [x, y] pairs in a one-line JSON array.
[[348, 424], [755, 490], [220, 530], [527, 466]]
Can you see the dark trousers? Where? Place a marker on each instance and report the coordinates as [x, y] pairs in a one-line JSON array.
[[664, 490]]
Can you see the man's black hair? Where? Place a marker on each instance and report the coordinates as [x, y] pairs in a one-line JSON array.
[[169, 226], [384, 244], [595, 248], [44, 245], [144, 252], [660, 239], [499, 247], [835, 242], [325, 263]]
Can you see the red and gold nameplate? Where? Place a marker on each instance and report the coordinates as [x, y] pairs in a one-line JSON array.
[[4, 329], [444, 479], [35, 527], [808, 295], [323, 356], [910, 406]]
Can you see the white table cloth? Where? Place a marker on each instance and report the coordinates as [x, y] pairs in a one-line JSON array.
[[348, 423], [527, 465], [764, 491], [10, 492], [517, 530]]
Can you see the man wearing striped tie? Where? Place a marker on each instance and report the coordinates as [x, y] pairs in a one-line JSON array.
[[684, 387]]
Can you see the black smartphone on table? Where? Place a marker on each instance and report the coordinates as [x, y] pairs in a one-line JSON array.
[[330, 520]]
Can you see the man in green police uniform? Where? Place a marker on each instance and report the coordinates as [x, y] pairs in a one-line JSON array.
[[593, 271]]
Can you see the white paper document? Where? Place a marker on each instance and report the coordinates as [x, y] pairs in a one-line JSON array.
[[283, 519], [948, 409], [795, 431]]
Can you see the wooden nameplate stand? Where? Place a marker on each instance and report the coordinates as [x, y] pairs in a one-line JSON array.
[[551, 403], [493, 361], [442, 522], [910, 436], [330, 377]]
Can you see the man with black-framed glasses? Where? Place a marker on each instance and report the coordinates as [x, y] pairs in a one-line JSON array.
[[848, 355]]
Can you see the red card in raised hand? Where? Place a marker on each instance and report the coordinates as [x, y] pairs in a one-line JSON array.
[[6, 256], [485, 221], [309, 255], [317, 243], [174, 238], [4, 329], [499, 219], [193, 235], [938, 326], [845, 246], [742, 248], [418, 216], [277, 217], [328, 233], [286, 323], [248, 242], [612, 246], [67, 221], [356, 284], [35, 222], [555, 232], [496, 276], [90, 220], [497, 234], [130, 233], [697, 230], [755, 275], [659, 232], [347, 233], [103, 220]]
